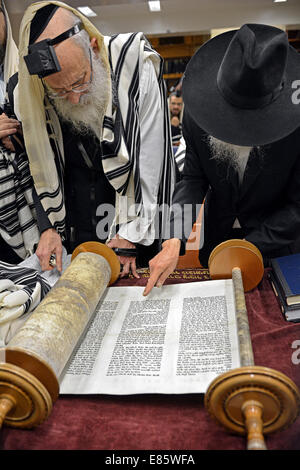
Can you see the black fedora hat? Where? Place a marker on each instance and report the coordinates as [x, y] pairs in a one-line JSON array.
[[238, 86]]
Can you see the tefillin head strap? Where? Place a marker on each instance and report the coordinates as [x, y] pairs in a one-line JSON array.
[[42, 59]]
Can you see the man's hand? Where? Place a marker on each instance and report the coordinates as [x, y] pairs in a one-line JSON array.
[[50, 243], [8, 127], [128, 262], [163, 264], [175, 121]]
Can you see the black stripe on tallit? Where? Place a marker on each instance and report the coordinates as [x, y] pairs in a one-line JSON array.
[[121, 58], [24, 276], [131, 126]]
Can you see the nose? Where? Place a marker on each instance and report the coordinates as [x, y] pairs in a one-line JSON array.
[[73, 97]]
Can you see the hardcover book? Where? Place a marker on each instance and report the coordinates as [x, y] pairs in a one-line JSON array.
[[286, 270], [290, 312]]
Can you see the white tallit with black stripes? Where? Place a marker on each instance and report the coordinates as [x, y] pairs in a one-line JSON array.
[[17, 217], [21, 290], [121, 127], [18, 225], [180, 155], [120, 139]]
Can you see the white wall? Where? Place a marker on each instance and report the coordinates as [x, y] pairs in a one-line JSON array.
[[185, 16], [177, 16]]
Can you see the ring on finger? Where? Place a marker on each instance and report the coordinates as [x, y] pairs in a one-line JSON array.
[[52, 260]]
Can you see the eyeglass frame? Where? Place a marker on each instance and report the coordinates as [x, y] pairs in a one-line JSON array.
[[74, 89]]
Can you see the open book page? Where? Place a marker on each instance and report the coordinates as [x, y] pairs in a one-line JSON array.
[[176, 340]]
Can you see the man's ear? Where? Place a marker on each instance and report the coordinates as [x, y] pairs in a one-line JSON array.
[[94, 45]]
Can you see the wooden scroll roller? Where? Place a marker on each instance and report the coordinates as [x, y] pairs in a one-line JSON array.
[[32, 362], [249, 400]]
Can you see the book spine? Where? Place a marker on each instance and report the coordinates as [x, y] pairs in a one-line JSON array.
[[275, 289], [290, 313], [281, 279]]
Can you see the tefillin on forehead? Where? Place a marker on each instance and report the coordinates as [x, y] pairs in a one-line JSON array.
[[42, 59]]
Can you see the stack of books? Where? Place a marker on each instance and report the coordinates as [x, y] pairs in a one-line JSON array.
[[285, 280]]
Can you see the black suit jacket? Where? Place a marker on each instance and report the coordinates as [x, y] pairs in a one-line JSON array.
[[267, 203]]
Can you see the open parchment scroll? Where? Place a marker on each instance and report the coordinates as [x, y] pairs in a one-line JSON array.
[[176, 340]]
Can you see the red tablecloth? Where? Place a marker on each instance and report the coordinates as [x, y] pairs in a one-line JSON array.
[[168, 422]]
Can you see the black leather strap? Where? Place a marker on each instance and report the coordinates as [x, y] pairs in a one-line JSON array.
[[67, 34], [131, 252]]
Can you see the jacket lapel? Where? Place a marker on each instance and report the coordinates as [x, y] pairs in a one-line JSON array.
[[226, 178], [233, 180], [252, 170]]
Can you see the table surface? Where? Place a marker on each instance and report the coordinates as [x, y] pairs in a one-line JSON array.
[[168, 422]]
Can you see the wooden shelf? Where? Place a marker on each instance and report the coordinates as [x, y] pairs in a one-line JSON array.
[[170, 76], [294, 38], [176, 52], [177, 46]]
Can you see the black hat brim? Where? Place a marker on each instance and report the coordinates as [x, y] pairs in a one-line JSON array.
[[216, 116]]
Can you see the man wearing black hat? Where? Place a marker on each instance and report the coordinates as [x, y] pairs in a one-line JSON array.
[[242, 133], [96, 130]]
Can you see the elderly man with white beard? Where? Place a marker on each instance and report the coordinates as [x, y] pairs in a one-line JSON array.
[[96, 131], [242, 134]]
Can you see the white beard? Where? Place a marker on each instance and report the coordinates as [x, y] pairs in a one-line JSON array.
[[228, 153], [88, 114]]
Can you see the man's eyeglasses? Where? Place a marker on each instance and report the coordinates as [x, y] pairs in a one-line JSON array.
[[80, 88]]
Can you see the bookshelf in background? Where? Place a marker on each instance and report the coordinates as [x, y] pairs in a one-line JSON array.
[[294, 38], [176, 52]]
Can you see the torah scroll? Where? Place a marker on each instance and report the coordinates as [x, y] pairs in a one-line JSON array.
[[32, 362]]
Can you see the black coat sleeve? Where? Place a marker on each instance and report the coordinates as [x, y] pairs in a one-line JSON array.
[[189, 193]]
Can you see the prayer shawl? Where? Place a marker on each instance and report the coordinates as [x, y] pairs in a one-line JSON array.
[[180, 154], [17, 213], [120, 136], [22, 288], [17, 218]]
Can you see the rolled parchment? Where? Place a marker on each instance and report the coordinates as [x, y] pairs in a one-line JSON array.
[[53, 330], [32, 362]]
